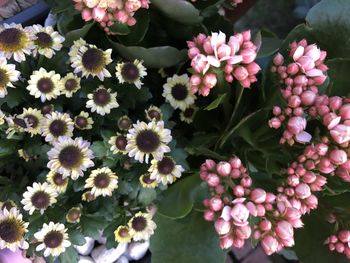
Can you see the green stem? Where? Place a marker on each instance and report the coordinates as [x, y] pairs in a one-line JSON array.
[[40, 61]]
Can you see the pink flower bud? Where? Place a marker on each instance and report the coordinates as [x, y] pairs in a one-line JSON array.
[[296, 124], [302, 191], [98, 13], [294, 101], [253, 68], [312, 201], [224, 51], [222, 227], [340, 133], [275, 123], [220, 189], [86, 14], [252, 208], [265, 225], [213, 180], [338, 156], [238, 243], [278, 59], [308, 98], [223, 168], [306, 63], [344, 236], [238, 190], [200, 63], [240, 214], [269, 244], [240, 73], [345, 112], [300, 80], [235, 162], [339, 247], [260, 210], [248, 55], [292, 69], [246, 182], [209, 215], [210, 80], [211, 165], [258, 196], [192, 52], [243, 232], [284, 230], [270, 198], [226, 242], [216, 204]]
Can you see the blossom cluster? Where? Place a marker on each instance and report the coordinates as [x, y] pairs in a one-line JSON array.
[[234, 57], [300, 74], [339, 242], [108, 12]]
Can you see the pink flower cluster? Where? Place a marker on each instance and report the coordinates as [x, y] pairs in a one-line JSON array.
[[107, 12], [210, 54], [235, 202], [340, 243], [300, 75]]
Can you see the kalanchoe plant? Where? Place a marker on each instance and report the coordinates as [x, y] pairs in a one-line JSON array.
[[157, 122]]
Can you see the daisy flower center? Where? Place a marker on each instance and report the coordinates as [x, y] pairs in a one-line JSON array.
[[45, 85], [58, 179], [188, 113], [147, 141], [130, 72], [40, 200], [101, 180], [74, 215], [11, 230], [124, 124], [4, 78], [121, 142], [8, 205], [93, 60], [12, 39], [153, 114], [139, 223], [43, 40], [147, 179], [20, 122], [70, 157], [123, 232], [46, 109], [81, 121], [179, 92], [70, 84], [102, 97], [53, 239], [166, 165], [57, 127], [32, 120]]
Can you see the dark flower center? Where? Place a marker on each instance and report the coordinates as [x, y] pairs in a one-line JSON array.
[[58, 179], [11, 230], [154, 114], [45, 85], [53, 239], [147, 179], [81, 122], [101, 97], [70, 157], [4, 78], [123, 232], [102, 180], [10, 39], [188, 113], [40, 199], [43, 40], [8, 205], [70, 84], [179, 92], [130, 72], [124, 123], [93, 60], [139, 223], [20, 122], [57, 128], [166, 165], [32, 120], [74, 214], [121, 142], [147, 141], [46, 109]]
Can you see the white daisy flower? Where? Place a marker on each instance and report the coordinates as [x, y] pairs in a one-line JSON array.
[[141, 226], [118, 143], [44, 85], [70, 157], [73, 215], [147, 182], [102, 181], [148, 139], [34, 119], [57, 124], [154, 112], [83, 121], [53, 238], [15, 42], [8, 75], [102, 101], [177, 91], [131, 72], [12, 229], [124, 123], [165, 171], [57, 181], [188, 114], [39, 197], [122, 234], [70, 84], [46, 40], [89, 60]]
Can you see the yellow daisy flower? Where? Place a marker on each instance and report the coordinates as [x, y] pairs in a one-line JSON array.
[[102, 181]]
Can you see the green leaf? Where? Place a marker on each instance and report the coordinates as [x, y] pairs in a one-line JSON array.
[[146, 196], [69, 256], [76, 237], [91, 224], [329, 20], [269, 46], [7, 147], [14, 98], [156, 57], [178, 199], [203, 151], [309, 240], [119, 29], [190, 239], [220, 99], [77, 33], [339, 69], [99, 148], [179, 10]]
